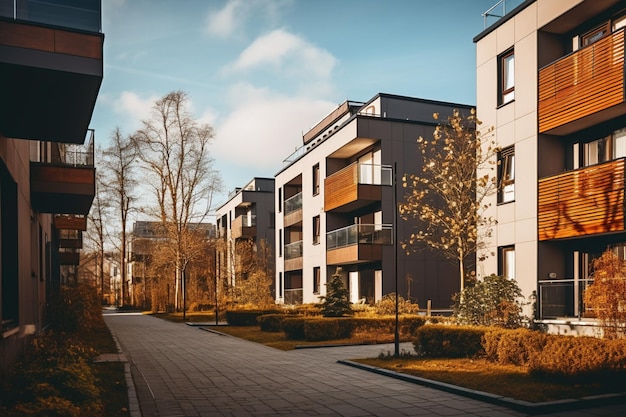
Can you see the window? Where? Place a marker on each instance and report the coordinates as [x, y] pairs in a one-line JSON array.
[[506, 75], [280, 284], [280, 243], [605, 149], [595, 35], [506, 175], [506, 261], [316, 179], [316, 279], [280, 200], [316, 230]]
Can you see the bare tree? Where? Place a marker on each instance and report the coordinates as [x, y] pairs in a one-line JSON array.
[[97, 233], [118, 164], [174, 148], [447, 199]]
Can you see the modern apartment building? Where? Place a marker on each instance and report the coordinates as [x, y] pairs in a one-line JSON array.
[[247, 216], [336, 202], [50, 74], [550, 80]]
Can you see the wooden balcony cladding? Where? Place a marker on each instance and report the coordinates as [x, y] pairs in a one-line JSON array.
[[62, 189], [69, 258], [582, 202], [72, 239], [240, 228], [343, 191], [28, 36], [354, 254], [293, 264], [292, 218], [581, 84], [69, 222]]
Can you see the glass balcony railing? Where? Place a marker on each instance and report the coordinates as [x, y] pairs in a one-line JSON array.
[[562, 298], [293, 203], [375, 234], [374, 174], [293, 250], [84, 15]]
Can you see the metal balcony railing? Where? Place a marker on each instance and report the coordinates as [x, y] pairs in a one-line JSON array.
[[78, 155], [562, 298], [375, 234], [83, 15]]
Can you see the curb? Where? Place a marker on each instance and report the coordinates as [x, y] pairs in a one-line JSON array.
[[133, 401], [519, 405]]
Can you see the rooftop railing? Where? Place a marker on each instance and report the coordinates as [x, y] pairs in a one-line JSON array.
[[498, 11]]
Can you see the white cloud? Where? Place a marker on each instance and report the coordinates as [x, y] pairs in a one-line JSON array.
[[134, 108], [286, 53], [230, 19], [264, 129]]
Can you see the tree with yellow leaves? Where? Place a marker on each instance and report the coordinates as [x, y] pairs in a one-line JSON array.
[[449, 199]]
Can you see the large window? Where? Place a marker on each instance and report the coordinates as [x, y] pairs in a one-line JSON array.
[[506, 175], [506, 261], [506, 77], [605, 149]]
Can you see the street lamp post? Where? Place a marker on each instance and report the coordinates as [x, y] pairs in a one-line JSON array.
[[395, 248]]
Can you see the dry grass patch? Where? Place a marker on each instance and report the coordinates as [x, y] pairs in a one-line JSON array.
[[479, 374]]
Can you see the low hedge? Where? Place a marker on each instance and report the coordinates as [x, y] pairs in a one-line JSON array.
[[246, 317], [293, 327], [271, 322], [445, 341], [407, 324], [328, 328], [546, 356]]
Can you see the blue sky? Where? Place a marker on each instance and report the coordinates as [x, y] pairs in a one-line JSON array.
[[262, 72]]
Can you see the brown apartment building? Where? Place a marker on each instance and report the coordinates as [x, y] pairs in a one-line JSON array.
[[50, 74], [550, 80]]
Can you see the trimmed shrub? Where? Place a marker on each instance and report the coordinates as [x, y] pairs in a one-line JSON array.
[[442, 341], [407, 325], [294, 327], [579, 358], [514, 347], [271, 322], [245, 317], [387, 305], [327, 329]]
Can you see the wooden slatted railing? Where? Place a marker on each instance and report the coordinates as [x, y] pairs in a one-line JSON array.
[[341, 187], [582, 202], [582, 83]]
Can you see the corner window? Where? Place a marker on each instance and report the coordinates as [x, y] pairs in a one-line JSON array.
[[506, 261], [506, 77], [316, 179], [506, 175], [316, 230]]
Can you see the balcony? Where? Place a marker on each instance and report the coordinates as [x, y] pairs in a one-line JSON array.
[[357, 243], [583, 202], [71, 239], [355, 186], [583, 88], [562, 298], [69, 257], [51, 63], [243, 226], [293, 256], [69, 222], [293, 210], [66, 186]]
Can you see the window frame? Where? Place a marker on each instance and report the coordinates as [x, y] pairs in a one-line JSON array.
[[317, 274], [316, 229], [503, 266], [316, 179], [506, 94], [506, 162]]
